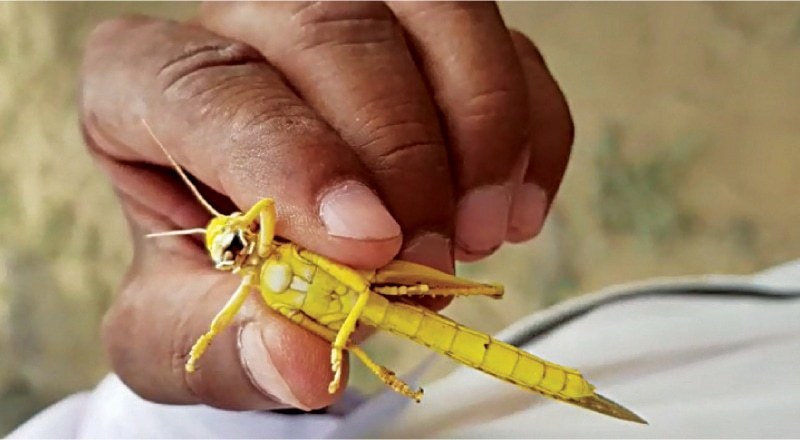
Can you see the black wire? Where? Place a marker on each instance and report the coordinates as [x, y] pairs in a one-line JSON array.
[[727, 292]]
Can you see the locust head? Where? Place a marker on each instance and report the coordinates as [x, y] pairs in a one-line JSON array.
[[229, 241]]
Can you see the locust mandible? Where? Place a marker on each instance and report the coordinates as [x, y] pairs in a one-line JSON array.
[[330, 299]]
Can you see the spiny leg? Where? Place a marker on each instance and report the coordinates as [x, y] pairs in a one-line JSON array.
[[426, 290], [417, 290], [387, 376], [398, 273], [222, 320], [342, 338]]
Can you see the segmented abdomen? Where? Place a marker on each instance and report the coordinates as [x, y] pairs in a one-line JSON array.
[[477, 350]]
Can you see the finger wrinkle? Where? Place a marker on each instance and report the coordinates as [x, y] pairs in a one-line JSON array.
[[224, 82], [500, 105], [359, 25], [356, 14], [406, 118], [400, 154], [196, 60], [365, 41], [355, 17], [281, 115]]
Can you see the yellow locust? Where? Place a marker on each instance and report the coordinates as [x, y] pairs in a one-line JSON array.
[[329, 299]]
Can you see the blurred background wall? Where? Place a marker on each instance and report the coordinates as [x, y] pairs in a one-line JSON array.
[[686, 161]]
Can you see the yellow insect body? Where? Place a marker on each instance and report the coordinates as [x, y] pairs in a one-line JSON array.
[[330, 299]]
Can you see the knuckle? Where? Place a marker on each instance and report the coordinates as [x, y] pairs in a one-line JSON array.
[[239, 87], [279, 116], [435, 10], [499, 110], [400, 143], [393, 130], [323, 24], [216, 58], [398, 156], [497, 101], [272, 120]]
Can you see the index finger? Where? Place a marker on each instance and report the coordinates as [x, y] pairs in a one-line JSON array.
[[230, 120], [351, 62]]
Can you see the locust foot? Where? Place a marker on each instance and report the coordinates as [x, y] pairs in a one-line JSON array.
[[336, 367], [390, 379], [197, 351]]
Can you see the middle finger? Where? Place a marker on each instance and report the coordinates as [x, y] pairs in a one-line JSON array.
[[468, 57], [350, 62]]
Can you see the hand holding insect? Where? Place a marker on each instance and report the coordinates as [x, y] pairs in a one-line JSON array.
[[330, 300], [234, 123]]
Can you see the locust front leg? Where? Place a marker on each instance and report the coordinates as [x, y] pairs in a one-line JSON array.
[[222, 320], [265, 211], [386, 375]]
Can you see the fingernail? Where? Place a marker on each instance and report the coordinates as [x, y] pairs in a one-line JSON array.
[[262, 371], [482, 219], [528, 210], [431, 249], [351, 210]]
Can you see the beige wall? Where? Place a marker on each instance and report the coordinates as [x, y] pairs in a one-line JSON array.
[[688, 144]]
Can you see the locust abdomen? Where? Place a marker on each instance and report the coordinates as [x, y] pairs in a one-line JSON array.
[[482, 352]]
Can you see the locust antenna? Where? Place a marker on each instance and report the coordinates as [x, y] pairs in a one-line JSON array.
[[183, 175], [180, 232]]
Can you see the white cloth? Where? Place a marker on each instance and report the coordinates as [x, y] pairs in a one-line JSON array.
[[701, 357]]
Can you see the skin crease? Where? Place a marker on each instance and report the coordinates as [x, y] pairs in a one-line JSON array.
[[281, 100]]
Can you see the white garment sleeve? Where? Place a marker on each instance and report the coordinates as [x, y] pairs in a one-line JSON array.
[[708, 357]]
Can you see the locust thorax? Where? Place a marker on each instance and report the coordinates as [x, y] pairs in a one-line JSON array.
[[231, 241]]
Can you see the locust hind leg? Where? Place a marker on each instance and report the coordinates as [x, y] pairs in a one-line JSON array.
[[343, 337], [427, 290], [222, 320], [387, 376], [404, 278]]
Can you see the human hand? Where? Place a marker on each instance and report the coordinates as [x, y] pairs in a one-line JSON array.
[[377, 128]]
